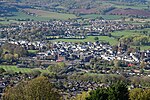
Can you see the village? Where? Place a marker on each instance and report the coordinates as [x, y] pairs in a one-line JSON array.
[[87, 65], [73, 29], [79, 58]]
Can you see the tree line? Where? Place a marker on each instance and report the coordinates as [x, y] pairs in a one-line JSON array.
[[117, 91]]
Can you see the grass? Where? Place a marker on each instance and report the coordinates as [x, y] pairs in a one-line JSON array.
[[130, 32], [125, 5], [125, 33], [112, 41], [133, 7], [23, 70], [106, 17], [42, 16], [143, 47], [21, 15], [32, 51], [51, 15]]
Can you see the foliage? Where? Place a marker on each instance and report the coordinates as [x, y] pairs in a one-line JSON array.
[[117, 91], [11, 52], [82, 96], [96, 38], [99, 94], [36, 89], [117, 63], [136, 40], [2, 70], [139, 94], [57, 68], [143, 81]]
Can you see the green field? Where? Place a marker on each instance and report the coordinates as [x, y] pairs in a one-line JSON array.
[[51, 15], [112, 41], [125, 33], [23, 70], [129, 32], [32, 51], [138, 6], [125, 5], [106, 17], [46, 17]]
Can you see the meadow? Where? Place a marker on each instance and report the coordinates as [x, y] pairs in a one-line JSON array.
[[125, 5], [51, 15], [41, 16], [106, 17], [111, 40], [130, 32], [14, 68]]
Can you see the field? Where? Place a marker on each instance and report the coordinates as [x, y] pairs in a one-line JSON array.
[[133, 12], [129, 32], [125, 33], [51, 15], [112, 41], [125, 5], [43, 16], [23, 70], [21, 15], [106, 17], [132, 32]]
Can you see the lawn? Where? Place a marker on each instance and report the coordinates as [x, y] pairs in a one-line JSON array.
[[23, 70], [112, 41]]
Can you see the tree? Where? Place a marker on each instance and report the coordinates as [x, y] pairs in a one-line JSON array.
[[117, 91], [82, 96], [139, 94], [35, 73], [142, 64], [96, 38], [36, 89], [117, 63], [2, 70], [135, 94], [99, 94], [57, 68]]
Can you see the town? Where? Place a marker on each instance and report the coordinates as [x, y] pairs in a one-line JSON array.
[[77, 59]]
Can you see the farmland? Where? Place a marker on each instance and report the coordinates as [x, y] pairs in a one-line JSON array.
[[41, 16], [106, 17], [133, 12], [51, 15]]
